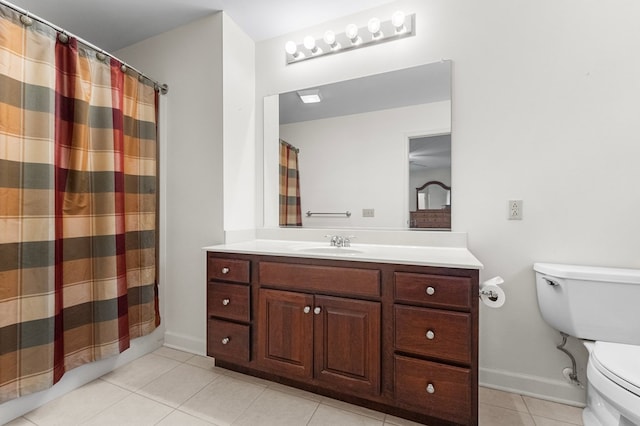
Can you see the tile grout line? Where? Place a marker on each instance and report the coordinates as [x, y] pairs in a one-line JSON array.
[[195, 414], [168, 414], [249, 406], [506, 408], [131, 392], [314, 413], [83, 421]]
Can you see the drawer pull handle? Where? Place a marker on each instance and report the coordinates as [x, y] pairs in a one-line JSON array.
[[430, 291], [306, 309], [226, 340], [430, 388], [317, 310], [225, 270], [225, 302], [430, 334]]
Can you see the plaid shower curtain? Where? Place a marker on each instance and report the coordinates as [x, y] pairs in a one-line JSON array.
[[77, 207], [290, 210]]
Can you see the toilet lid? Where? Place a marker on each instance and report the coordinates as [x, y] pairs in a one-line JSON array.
[[620, 363]]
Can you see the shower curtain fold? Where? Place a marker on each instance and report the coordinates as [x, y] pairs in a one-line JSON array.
[[290, 206], [78, 186]]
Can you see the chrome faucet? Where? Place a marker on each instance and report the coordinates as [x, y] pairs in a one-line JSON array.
[[339, 240], [336, 240]]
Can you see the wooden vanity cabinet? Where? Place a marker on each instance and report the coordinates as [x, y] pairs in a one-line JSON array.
[[228, 308], [286, 333], [435, 359], [401, 339], [332, 340]]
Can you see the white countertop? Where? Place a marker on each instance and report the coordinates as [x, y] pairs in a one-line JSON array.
[[449, 257]]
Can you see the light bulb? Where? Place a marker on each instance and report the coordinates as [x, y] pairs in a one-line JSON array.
[[352, 34], [291, 47], [309, 43], [374, 26], [397, 20], [329, 37]]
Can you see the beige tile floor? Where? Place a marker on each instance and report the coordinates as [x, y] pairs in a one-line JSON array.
[[169, 387]]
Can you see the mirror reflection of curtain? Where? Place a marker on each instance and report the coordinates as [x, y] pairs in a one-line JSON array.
[[78, 183], [290, 210]]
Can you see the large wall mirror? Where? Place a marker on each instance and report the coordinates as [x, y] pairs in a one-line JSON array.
[[361, 151]]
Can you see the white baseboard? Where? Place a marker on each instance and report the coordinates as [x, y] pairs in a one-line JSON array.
[[534, 386], [79, 377], [185, 343]]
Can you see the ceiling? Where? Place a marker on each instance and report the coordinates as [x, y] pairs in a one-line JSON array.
[[422, 84], [114, 24], [430, 152]]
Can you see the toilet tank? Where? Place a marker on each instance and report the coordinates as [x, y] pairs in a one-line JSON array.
[[590, 302]]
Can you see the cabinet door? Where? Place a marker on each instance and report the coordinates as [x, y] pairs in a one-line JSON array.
[[347, 344], [285, 333]]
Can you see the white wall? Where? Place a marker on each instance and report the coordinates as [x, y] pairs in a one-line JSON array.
[[189, 60], [359, 161], [545, 109], [239, 127]]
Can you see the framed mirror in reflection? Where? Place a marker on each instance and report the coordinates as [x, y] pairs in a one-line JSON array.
[[364, 148]]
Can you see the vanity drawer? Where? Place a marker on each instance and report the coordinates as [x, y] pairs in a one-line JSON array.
[[230, 301], [227, 340], [433, 290], [234, 270], [435, 389], [325, 279], [434, 333]]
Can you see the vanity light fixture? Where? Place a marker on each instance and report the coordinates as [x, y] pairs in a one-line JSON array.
[[310, 96], [353, 37]]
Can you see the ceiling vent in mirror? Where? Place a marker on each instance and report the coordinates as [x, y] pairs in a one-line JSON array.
[[311, 96]]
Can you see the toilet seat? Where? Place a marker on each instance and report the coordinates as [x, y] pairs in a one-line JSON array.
[[620, 363]]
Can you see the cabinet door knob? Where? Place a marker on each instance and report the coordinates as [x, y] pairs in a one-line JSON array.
[[225, 302], [430, 334], [306, 309], [225, 270], [430, 388], [317, 310], [430, 291], [226, 340]]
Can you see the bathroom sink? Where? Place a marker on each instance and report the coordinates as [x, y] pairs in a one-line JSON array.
[[329, 250]]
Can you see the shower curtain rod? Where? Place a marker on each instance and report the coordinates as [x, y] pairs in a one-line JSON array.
[[297, 150], [163, 88]]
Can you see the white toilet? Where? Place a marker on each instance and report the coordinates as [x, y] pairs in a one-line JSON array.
[[601, 306]]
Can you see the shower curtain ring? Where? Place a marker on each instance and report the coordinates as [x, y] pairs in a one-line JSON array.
[[26, 19], [63, 37]]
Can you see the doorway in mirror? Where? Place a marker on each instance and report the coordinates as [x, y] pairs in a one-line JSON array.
[[430, 182]]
